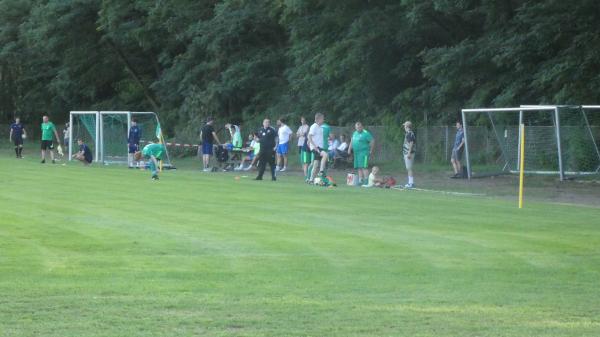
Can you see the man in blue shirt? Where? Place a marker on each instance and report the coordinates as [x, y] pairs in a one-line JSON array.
[[85, 154], [457, 150], [17, 133], [133, 141]]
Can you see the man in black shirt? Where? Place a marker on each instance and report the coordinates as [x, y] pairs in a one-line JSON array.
[[208, 135], [266, 138]]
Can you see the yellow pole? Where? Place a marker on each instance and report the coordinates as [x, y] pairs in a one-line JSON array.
[[522, 165]]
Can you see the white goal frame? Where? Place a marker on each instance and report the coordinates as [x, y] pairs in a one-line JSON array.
[[99, 141], [523, 109]]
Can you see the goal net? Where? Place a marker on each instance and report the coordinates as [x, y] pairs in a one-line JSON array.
[[558, 140], [84, 126], [108, 132]]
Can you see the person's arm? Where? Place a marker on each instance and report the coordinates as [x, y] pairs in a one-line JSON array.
[[410, 146], [24, 133], [310, 140], [10, 135], [350, 148], [56, 134], [216, 138], [462, 142]]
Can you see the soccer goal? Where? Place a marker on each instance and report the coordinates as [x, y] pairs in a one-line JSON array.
[[559, 140], [106, 133]]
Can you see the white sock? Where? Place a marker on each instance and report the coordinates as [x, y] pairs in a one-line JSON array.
[[410, 180]]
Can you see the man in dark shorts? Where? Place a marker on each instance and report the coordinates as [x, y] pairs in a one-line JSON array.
[[208, 136], [133, 142], [316, 143], [266, 154], [85, 154], [457, 150], [17, 133], [48, 129]]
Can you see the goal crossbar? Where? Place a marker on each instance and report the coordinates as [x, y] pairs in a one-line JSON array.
[[99, 133], [522, 110]]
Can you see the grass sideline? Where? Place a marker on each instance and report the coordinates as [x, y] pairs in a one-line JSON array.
[[104, 251]]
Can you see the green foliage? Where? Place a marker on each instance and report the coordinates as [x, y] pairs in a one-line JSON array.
[[240, 60]]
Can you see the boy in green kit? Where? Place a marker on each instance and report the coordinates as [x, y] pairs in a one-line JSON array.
[[153, 152]]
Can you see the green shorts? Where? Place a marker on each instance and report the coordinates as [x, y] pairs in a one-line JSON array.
[[306, 157], [361, 160]]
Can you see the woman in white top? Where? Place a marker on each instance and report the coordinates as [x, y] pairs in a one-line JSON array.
[[302, 133]]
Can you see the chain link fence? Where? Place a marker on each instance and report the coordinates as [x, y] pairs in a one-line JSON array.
[[434, 143]]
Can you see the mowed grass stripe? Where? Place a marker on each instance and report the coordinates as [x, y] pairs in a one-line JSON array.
[[104, 251]]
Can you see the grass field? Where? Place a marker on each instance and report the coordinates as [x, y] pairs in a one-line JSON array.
[[104, 251]]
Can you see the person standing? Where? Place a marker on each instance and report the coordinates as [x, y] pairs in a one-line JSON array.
[[208, 136], [457, 150], [48, 129], [326, 132], [362, 145], [66, 131], [316, 143], [17, 133], [284, 135], [303, 149], [266, 153], [133, 141], [408, 150]]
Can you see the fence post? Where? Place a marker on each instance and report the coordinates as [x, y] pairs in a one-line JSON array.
[[446, 143]]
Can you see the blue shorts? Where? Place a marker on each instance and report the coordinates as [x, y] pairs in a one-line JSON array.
[[207, 148], [283, 148], [133, 148]]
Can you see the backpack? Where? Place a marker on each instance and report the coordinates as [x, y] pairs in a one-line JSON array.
[[390, 182], [221, 154]]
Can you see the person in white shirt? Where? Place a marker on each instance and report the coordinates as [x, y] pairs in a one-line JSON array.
[[303, 149], [333, 145], [315, 142], [284, 134], [342, 149]]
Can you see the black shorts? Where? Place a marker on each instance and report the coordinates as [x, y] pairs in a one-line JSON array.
[[316, 154], [18, 140], [47, 145]]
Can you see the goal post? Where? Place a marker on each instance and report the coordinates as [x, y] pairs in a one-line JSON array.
[[84, 125], [560, 140], [109, 130]]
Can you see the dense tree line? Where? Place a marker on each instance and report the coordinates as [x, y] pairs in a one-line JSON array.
[[380, 61]]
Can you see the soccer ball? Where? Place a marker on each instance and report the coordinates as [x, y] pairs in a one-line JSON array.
[[24, 136], [318, 181]]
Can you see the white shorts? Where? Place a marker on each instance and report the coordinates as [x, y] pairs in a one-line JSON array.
[[409, 162]]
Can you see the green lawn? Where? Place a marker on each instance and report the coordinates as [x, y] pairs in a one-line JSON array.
[[105, 251]]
